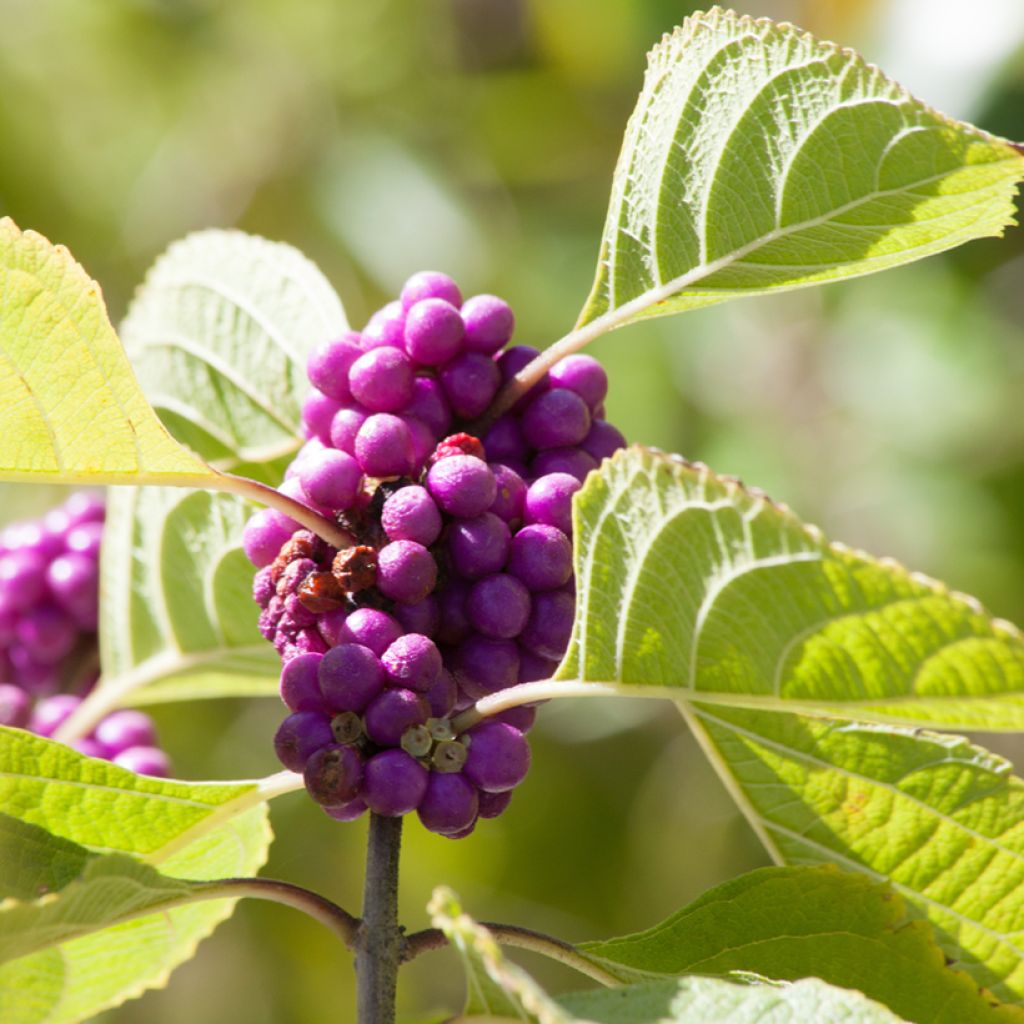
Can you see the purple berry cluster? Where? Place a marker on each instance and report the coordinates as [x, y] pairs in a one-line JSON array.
[[459, 582], [49, 605]]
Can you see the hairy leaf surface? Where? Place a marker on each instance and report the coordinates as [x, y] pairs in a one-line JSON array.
[[219, 334], [690, 582], [759, 158], [70, 407]]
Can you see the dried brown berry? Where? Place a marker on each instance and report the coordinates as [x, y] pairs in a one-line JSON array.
[[355, 569], [320, 592]]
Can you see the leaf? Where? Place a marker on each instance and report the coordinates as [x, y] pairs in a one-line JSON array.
[[691, 583], [70, 407], [191, 830], [760, 159], [789, 923], [178, 621], [712, 1000], [938, 817], [495, 987], [219, 334]]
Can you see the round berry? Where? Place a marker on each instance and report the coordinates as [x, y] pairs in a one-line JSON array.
[[470, 382], [329, 363], [499, 757], [392, 712], [370, 627], [411, 514], [442, 695], [450, 803], [451, 602], [489, 323], [22, 577], [344, 428], [85, 539], [406, 571], [347, 812], [433, 332], [300, 684], [144, 761], [510, 495], [383, 446], [504, 440], [350, 677], [493, 804], [51, 713], [521, 717], [331, 479], [317, 412], [603, 440], [572, 461], [381, 379], [15, 706], [393, 783], [422, 617], [499, 606], [556, 419], [124, 729], [582, 374], [429, 406], [550, 626], [385, 328], [300, 736], [430, 284], [413, 662], [478, 546], [541, 556], [81, 507], [532, 667], [333, 775], [482, 665], [462, 485], [47, 633], [549, 501]]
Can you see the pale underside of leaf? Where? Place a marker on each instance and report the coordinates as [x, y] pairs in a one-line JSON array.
[[219, 335], [937, 817], [759, 158], [688, 581], [70, 407]]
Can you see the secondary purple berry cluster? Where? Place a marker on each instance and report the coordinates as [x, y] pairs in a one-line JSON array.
[[459, 581], [49, 606]]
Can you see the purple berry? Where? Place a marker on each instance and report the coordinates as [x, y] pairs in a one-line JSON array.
[[549, 501], [429, 406], [22, 578], [50, 714], [430, 284], [521, 717], [392, 712], [412, 662], [499, 606], [300, 684], [393, 783], [572, 461], [350, 676], [478, 546], [482, 665], [462, 485], [550, 626], [383, 446], [333, 775], [344, 428], [602, 441], [558, 418], [347, 812], [385, 328], [124, 729], [433, 332], [331, 479], [406, 571], [582, 374], [317, 412], [504, 441], [300, 736], [422, 617], [442, 695], [81, 507], [499, 757], [411, 514], [329, 363], [85, 539], [489, 323], [47, 633], [510, 496], [144, 761], [450, 803], [367, 626], [381, 379], [541, 556], [493, 804], [451, 602], [532, 667], [423, 442], [15, 706], [470, 382]]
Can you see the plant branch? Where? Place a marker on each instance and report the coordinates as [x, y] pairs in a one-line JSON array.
[[321, 909], [379, 942], [520, 938], [303, 514]]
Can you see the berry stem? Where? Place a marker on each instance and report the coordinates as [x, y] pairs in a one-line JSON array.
[[520, 938], [379, 942], [323, 527], [546, 689]]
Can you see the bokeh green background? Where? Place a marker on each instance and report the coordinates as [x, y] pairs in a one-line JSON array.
[[479, 137]]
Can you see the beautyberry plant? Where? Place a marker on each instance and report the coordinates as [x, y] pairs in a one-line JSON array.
[[441, 531]]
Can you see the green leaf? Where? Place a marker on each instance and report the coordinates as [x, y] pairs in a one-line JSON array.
[[712, 1000], [938, 817], [70, 407], [219, 334], [191, 830], [789, 923], [691, 583], [178, 621], [760, 159]]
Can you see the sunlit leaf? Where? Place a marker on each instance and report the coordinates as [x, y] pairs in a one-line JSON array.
[[70, 406], [759, 159], [687, 581]]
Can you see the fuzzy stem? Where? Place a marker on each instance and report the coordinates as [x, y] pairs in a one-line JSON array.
[[520, 938], [379, 943], [323, 527]]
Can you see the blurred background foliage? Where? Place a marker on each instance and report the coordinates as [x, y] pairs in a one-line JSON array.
[[479, 137]]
